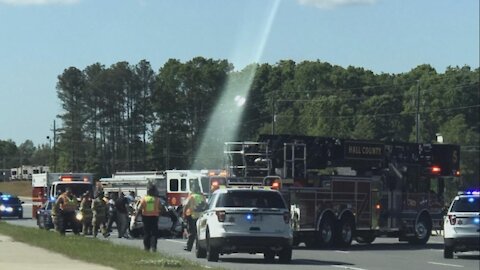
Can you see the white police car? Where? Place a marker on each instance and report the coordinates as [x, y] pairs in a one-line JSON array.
[[245, 220], [462, 224]]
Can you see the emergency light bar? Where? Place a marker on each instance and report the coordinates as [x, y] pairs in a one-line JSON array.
[[469, 192]]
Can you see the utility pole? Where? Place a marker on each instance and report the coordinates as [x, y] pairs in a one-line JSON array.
[[54, 147], [273, 112], [417, 121]]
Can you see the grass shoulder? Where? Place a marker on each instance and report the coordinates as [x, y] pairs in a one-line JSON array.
[[18, 188], [95, 250]]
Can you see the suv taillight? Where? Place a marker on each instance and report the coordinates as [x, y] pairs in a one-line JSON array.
[[286, 217], [220, 215], [453, 219]]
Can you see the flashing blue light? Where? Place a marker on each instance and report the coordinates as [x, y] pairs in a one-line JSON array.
[[52, 198], [476, 220], [471, 200], [249, 217], [5, 197], [473, 192]]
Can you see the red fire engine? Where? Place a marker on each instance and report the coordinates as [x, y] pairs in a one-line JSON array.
[[340, 190]]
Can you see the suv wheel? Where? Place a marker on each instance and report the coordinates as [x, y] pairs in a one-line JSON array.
[[212, 253], [447, 252], [269, 256], [285, 255], [199, 251]]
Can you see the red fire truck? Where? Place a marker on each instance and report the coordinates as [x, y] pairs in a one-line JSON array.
[[340, 190], [46, 186]]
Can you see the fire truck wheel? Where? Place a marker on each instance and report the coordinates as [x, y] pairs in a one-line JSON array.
[[423, 229], [326, 232], [344, 233], [367, 238]]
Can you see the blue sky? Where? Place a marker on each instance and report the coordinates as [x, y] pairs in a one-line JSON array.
[[40, 38]]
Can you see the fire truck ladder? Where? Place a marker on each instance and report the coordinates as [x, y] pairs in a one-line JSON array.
[[247, 159], [294, 160]]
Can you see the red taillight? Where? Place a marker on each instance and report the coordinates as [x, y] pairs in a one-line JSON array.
[[276, 185], [220, 215], [214, 186], [453, 219], [436, 170], [286, 217]]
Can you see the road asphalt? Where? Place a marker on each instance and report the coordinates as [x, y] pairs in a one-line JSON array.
[[18, 255]]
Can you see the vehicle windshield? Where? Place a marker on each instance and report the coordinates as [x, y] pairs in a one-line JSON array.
[[466, 204], [251, 199], [77, 188], [10, 200]]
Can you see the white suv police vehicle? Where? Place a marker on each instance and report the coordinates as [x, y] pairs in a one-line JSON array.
[[462, 224], [245, 220]]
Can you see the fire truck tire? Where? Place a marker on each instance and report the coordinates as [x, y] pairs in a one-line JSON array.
[[345, 231], [326, 232], [366, 238], [423, 229]]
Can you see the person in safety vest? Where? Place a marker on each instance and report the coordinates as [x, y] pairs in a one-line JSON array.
[[56, 218], [67, 205], [150, 208], [86, 211], [99, 217], [194, 206]]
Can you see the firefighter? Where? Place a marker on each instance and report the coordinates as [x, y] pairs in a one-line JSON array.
[[56, 219], [194, 206], [86, 211], [99, 217], [150, 209], [67, 205]]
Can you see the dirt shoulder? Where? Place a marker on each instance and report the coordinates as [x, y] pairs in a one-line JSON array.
[[19, 188]]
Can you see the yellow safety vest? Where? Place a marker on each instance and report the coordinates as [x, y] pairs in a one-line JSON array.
[[149, 206]]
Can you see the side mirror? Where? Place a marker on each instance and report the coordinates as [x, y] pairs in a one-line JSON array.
[[22, 202]]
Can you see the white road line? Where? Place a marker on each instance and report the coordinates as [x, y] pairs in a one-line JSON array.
[[446, 264], [175, 241], [348, 267], [342, 251]]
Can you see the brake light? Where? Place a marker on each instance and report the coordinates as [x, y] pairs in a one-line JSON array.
[[436, 170], [66, 179], [286, 217], [453, 219], [220, 215], [275, 185], [214, 186]]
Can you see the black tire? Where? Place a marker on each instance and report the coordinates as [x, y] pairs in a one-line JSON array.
[[366, 238], [423, 230], [344, 233], [447, 252], [199, 251], [212, 253], [135, 233], [269, 256], [326, 232], [285, 255]]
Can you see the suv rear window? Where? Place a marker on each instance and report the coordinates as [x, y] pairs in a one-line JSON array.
[[466, 204], [251, 199], [11, 200]]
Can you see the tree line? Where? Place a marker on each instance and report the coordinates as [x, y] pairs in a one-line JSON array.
[[128, 117]]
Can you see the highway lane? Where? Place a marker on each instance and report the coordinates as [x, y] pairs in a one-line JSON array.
[[384, 253]]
